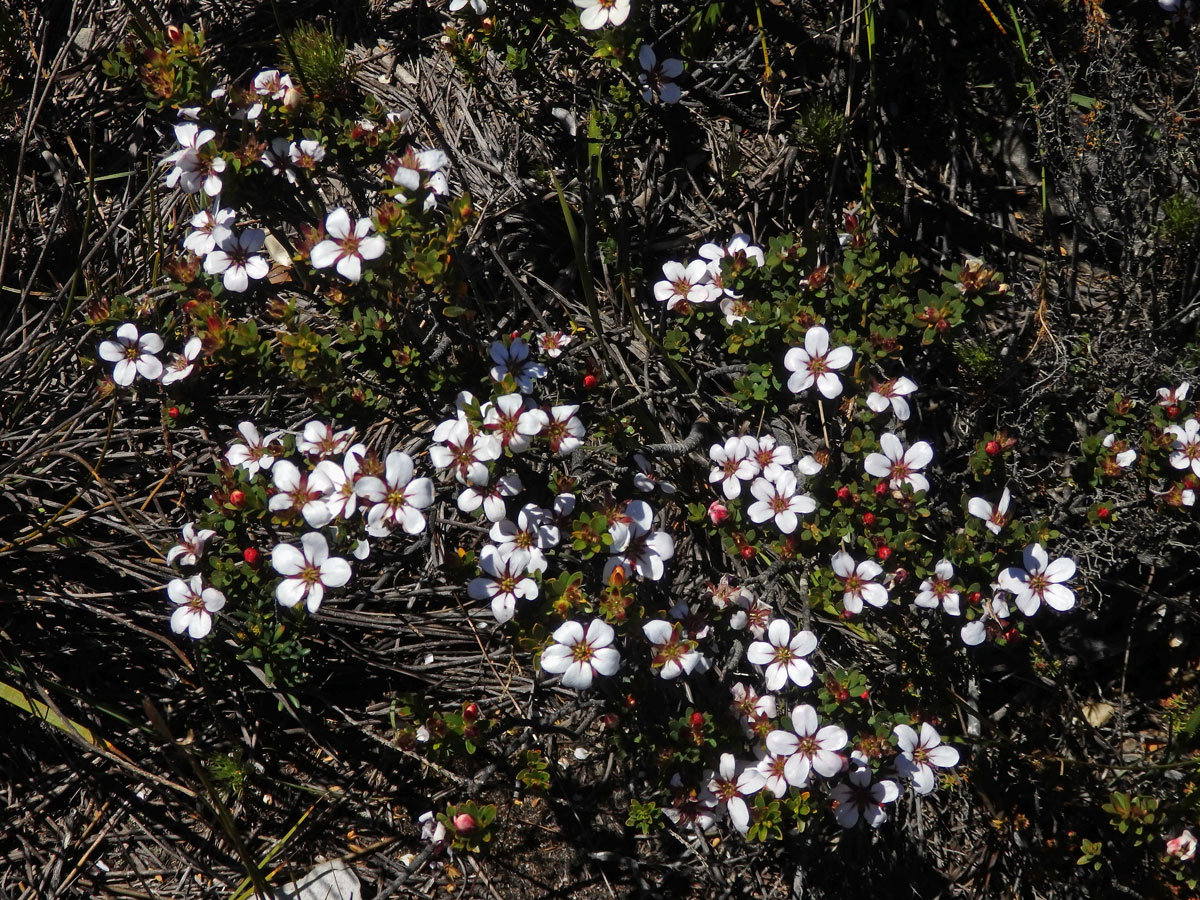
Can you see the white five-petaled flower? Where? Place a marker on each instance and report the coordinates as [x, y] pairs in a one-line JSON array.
[[194, 168], [133, 355], [1185, 448], [937, 589], [553, 343], [743, 255], [898, 465], [512, 423], [455, 447], [490, 496], [320, 439], [513, 359], [195, 605], [564, 430], [479, 6], [815, 363], [302, 492], [732, 464], [858, 582], [209, 228], [397, 498], [1039, 581], [598, 13], [504, 581], [270, 83], [730, 785], [236, 259], [685, 284], [307, 572], [406, 170], [256, 453], [771, 457], [191, 545], [783, 654], [1182, 847], [808, 747], [673, 654], [181, 364], [859, 798], [634, 546], [306, 154], [580, 656], [347, 246], [342, 500], [534, 531], [659, 77], [994, 517], [918, 755], [780, 500], [892, 393], [1123, 455]]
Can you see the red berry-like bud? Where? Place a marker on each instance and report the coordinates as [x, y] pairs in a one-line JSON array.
[[992, 448], [251, 555], [718, 512], [868, 519], [881, 489], [173, 412], [748, 552], [589, 381], [471, 712], [237, 498], [884, 552], [975, 597], [1172, 411], [697, 720], [865, 694], [841, 695], [843, 493], [1104, 513], [942, 325]]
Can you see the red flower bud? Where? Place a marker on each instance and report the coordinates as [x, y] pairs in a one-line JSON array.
[[1104, 513], [237, 497], [697, 720], [868, 519], [173, 412], [250, 554], [1172, 411], [748, 552], [881, 489], [464, 823], [718, 512], [843, 493], [471, 712], [589, 381], [992, 448], [884, 552], [174, 35]]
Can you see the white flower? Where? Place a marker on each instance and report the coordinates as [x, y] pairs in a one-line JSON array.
[[191, 546], [490, 497], [1173, 396], [304, 492], [513, 359], [598, 13], [580, 656], [898, 465], [1123, 458], [1183, 847], [691, 284], [815, 363], [772, 769], [636, 547], [320, 439], [306, 154], [480, 6], [534, 531], [505, 581], [1040, 581], [937, 590], [755, 712], [975, 631], [771, 457], [552, 343], [269, 83], [342, 500], [861, 798], [406, 171], [467, 454], [564, 430], [278, 160], [732, 464], [133, 355], [752, 614], [740, 250], [645, 479], [783, 655], [673, 654], [857, 582], [730, 785], [347, 245], [808, 747], [181, 364], [780, 500], [308, 571], [892, 393], [195, 605], [509, 420], [194, 168], [236, 259], [1185, 449], [994, 517], [209, 228], [658, 77], [255, 453], [397, 498], [918, 756]]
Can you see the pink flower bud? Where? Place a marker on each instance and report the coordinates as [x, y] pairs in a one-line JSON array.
[[718, 512], [464, 823], [1182, 847]]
